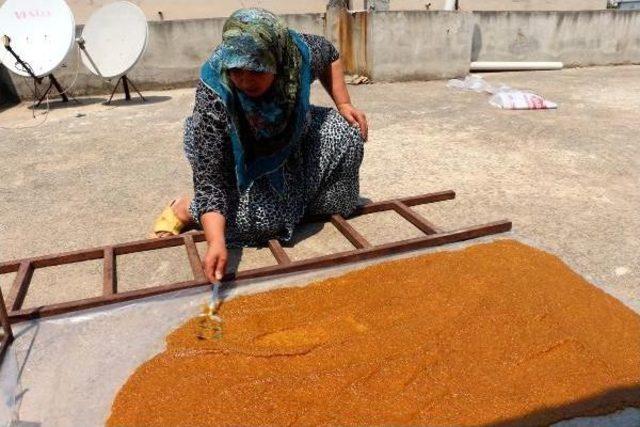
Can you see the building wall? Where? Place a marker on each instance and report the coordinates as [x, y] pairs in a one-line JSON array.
[[419, 45], [405, 5], [532, 5], [202, 9], [576, 38], [176, 51], [477, 5], [391, 46], [429, 45]]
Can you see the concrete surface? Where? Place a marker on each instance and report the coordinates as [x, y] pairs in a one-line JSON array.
[[419, 45], [94, 174], [578, 39]]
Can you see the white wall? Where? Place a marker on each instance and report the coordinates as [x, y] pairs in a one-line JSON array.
[[531, 5]]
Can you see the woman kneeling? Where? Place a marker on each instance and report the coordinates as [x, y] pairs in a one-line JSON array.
[[262, 156]]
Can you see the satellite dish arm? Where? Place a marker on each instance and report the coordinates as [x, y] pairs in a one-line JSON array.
[[81, 42], [6, 41]]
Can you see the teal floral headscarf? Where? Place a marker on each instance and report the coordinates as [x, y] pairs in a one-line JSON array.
[[264, 130]]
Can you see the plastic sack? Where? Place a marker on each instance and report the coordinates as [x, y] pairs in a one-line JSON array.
[[504, 96], [471, 83], [519, 100]]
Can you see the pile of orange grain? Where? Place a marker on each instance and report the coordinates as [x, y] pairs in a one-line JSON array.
[[498, 332]]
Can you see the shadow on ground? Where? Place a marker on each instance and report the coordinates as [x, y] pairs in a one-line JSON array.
[[304, 232], [600, 404], [135, 100], [58, 104]]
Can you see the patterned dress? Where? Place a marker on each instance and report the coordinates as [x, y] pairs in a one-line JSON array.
[[321, 176]]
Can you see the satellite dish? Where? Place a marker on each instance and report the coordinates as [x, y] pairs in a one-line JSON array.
[[114, 38], [41, 32]]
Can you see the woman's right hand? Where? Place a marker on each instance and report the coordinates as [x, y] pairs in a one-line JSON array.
[[215, 260]]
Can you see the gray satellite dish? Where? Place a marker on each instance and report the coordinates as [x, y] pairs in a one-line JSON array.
[[37, 36], [113, 41]]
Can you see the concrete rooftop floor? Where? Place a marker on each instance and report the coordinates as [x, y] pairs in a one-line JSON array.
[[568, 179]]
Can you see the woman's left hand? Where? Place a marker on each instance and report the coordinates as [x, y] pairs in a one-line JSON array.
[[355, 117]]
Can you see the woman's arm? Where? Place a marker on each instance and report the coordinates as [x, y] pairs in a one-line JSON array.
[[215, 260], [333, 82], [208, 152], [327, 67]]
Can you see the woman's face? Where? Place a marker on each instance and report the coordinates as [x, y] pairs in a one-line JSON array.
[[252, 83]]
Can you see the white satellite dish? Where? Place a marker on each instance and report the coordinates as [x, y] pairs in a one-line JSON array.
[[41, 33], [115, 38], [113, 41]]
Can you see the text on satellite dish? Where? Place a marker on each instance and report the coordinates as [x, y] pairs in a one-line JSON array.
[[26, 14]]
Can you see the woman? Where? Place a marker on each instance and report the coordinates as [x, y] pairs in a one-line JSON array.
[[262, 156]]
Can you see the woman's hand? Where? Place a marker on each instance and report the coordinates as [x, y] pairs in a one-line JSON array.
[[333, 82], [215, 260], [355, 117]]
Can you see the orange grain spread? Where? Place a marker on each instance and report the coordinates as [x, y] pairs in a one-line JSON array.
[[497, 332]]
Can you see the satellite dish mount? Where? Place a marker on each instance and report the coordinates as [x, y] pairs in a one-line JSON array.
[[125, 85], [54, 83]]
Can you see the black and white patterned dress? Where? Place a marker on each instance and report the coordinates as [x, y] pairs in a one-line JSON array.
[[321, 177]]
